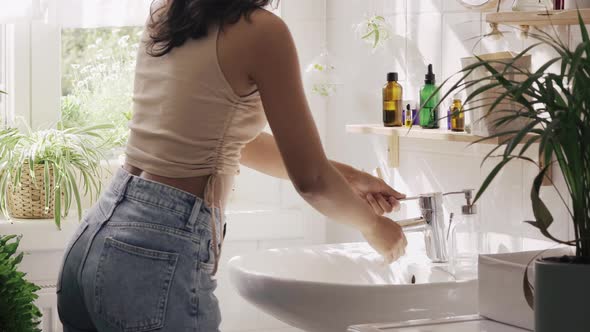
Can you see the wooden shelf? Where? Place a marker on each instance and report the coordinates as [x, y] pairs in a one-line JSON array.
[[394, 133], [417, 132], [540, 18]]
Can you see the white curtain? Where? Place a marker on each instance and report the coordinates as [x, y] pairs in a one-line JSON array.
[[98, 13], [13, 11]]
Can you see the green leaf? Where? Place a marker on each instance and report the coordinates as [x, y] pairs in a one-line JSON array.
[[527, 288], [57, 198], [17, 260], [76, 192], [5, 239], [543, 217], [47, 183], [376, 42]]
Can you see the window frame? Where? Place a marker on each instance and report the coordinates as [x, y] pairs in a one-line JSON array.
[[32, 74], [17, 74], [45, 68]]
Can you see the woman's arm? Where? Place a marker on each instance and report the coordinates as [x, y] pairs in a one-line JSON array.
[[274, 67], [263, 155]]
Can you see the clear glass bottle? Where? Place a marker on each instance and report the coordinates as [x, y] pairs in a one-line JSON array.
[[465, 243]]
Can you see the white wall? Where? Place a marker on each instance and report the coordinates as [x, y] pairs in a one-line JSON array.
[[425, 31]]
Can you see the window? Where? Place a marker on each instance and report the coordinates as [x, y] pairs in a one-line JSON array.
[[97, 77], [3, 76]]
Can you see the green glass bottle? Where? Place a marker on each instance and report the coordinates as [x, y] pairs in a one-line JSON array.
[[429, 110]]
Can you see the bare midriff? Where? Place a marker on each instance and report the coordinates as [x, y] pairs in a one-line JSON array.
[[195, 185]]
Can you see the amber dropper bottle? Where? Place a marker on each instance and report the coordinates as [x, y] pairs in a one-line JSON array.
[[457, 115], [409, 116], [392, 102]]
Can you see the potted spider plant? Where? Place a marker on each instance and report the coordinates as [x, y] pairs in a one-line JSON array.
[[43, 172], [556, 107]]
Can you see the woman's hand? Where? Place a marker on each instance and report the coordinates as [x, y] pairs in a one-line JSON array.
[[387, 238], [381, 197]]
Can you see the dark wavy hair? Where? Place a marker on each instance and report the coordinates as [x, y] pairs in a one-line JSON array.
[[176, 21]]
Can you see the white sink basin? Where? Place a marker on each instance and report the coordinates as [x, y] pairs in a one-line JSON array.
[[328, 288]]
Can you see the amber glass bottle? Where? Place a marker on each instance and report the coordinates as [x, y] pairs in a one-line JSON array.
[[457, 115], [392, 102]]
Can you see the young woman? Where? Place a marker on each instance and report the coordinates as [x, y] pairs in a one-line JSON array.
[[210, 74]]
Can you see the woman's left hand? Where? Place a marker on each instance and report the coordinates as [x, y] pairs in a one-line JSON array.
[[382, 198]]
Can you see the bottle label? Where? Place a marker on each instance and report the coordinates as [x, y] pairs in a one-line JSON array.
[[390, 105]]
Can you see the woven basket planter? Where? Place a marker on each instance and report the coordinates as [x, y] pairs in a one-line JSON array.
[[28, 200]]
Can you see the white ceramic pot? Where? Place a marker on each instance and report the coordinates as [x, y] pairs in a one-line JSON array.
[[571, 4], [562, 292]]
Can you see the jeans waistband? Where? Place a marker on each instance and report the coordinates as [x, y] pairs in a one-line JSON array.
[[184, 204]]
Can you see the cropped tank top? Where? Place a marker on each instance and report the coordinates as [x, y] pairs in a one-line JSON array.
[[187, 120]]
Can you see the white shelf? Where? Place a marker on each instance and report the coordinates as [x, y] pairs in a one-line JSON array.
[[417, 132], [539, 18]]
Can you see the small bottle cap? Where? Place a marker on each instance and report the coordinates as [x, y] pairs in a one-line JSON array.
[[392, 77]]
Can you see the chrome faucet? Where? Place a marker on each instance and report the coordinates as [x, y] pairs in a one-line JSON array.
[[432, 222]]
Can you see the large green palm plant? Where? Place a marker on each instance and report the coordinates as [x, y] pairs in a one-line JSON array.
[[557, 104]]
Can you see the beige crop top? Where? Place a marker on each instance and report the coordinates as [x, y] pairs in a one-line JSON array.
[[187, 120]]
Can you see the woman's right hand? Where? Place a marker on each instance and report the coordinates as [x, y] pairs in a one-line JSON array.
[[387, 238]]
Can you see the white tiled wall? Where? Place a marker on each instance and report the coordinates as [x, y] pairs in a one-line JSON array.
[[440, 32]]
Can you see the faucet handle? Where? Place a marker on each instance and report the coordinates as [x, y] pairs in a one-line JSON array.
[[409, 198]]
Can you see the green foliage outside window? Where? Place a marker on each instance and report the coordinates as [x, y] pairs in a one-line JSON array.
[[97, 78]]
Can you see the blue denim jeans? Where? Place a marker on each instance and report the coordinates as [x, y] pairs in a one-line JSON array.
[[141, 260]]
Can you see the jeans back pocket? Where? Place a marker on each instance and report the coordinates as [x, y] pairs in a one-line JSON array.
[[132, 285]]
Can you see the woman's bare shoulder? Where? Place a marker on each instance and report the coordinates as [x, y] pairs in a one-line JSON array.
[[263, 27]]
